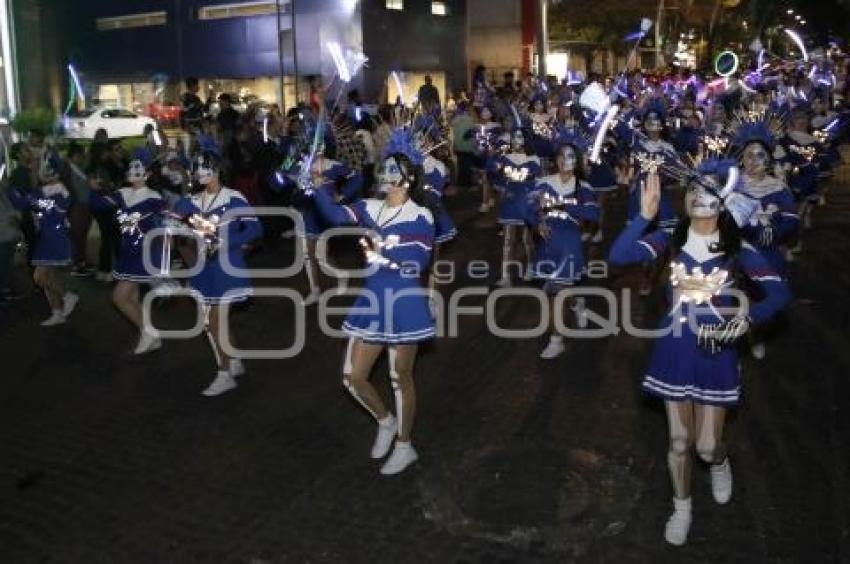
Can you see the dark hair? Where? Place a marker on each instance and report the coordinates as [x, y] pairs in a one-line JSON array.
[[75, 149], [730, 236], [191, 82], [579, 172], [414, 175]]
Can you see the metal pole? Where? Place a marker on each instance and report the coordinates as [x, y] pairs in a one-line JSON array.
[[542, 36], [280, 60], [658, 33], [294, 49], [178, 10]]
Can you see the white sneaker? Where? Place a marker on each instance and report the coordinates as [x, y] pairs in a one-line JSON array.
[[223, 382], [679, 523], [403, 456], [580, 311], [721, 481], [384, 439], [554, 349], [56, 318], [758, 351], [597, 237], [69, 302], [503, 282], [147, 343], [312, 297], [585, 237], [235, 367]]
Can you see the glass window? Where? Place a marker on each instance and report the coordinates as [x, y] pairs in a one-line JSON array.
[[117, 113], [145, 19], [439, 9], [395, 4], [242, 9], [80, 113]]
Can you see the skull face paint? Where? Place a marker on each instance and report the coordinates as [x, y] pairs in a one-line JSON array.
[[486, 115], [567, 159], [205, 170], [701, 202], [755, 159], [391, 176], [136, 173], [517, 142], [652, 123]]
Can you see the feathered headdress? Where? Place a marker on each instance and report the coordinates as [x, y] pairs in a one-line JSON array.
[[764, 125], [580, 139], [403, 142], [727, 188]]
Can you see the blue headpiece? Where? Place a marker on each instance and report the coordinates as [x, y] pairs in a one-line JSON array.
[[206, 144], [654, 106], [571, 136], [143, 155], [403, 142], [727, 188]]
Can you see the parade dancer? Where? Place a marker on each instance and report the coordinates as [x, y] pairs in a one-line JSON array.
[[49, 205], [346, 185], [801, 152], [138, 209], [515, 173], [392, 312], [648, 151], [560, 204], [206, 212], [694, 366], [486, 134], [776, 221]]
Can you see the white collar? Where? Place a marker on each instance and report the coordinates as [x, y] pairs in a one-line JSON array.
[[698, 246]]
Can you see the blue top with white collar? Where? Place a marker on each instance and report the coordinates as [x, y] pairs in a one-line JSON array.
[[236, 225], [392, 307], [138, 210], [49, 206], [700, 285]]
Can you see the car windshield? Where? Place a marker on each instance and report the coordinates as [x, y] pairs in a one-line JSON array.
[[81, 113], [117, 113]]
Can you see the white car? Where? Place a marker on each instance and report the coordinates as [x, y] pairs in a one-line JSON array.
[[117, 122]]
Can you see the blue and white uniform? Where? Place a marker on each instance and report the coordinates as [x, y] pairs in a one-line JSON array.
[[436, 178], [513, 207], [601, 176], [49, 206], [801, 152], [393, 307], [560, 258], [340, 177], [777, 214], [679, 369], [214, 284], [138, 211], [658, 151]]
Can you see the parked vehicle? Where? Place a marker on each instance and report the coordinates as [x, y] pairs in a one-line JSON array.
[[118, 122]]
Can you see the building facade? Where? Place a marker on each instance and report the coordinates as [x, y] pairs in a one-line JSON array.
[[138, 53]]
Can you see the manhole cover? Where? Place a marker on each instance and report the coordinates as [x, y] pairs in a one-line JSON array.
[[532, 495]]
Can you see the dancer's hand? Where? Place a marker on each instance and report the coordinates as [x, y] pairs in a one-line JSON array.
[[714, 337], [544, 230], [650, 196]]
